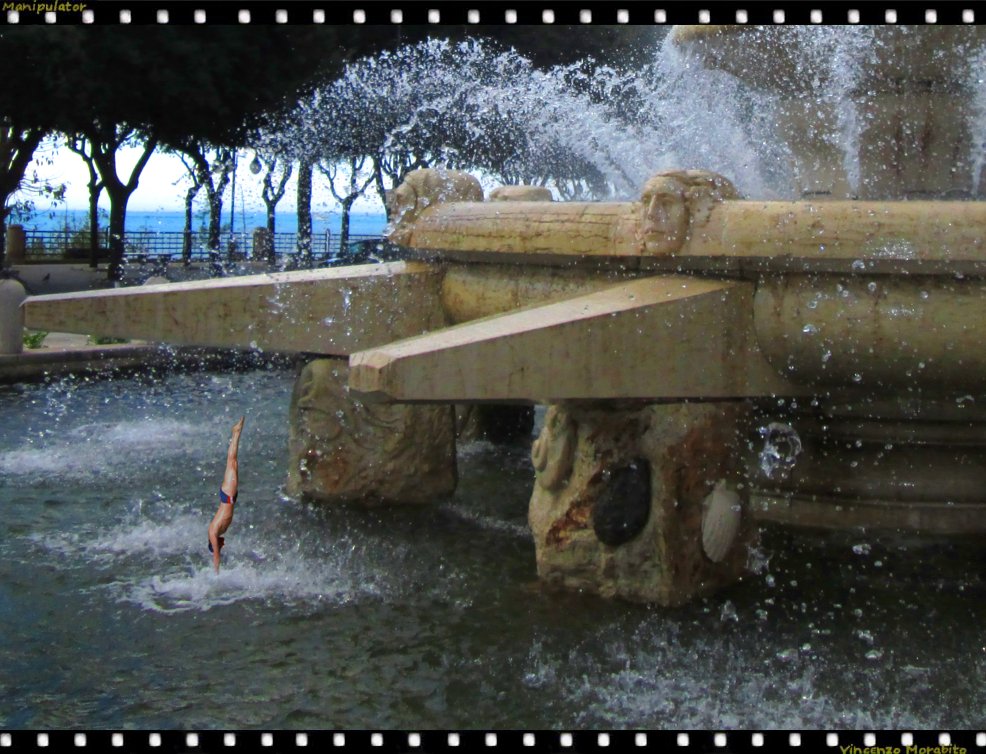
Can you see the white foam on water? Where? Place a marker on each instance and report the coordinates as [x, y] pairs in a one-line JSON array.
[[104, 448], [286, 582], [165, 566], [488, 523], [672, 674]]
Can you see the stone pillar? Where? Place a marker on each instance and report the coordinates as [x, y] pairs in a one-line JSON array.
[[642, 503], [263, 245], [342, 449], [16, 249], [12, 294]]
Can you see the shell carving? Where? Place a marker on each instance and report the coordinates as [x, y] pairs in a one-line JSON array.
[[723, 510]]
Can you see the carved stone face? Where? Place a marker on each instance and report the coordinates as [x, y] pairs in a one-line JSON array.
[[664, 215], [676, 201]]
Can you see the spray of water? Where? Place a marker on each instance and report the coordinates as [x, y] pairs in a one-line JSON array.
[[977, 142]]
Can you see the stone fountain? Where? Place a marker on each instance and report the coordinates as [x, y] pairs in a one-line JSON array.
[[708, 362]]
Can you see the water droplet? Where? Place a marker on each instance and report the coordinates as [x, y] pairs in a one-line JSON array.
[[728, 612], [781, 447]]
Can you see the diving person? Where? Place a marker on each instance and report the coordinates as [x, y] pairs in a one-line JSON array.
[[227, 496]]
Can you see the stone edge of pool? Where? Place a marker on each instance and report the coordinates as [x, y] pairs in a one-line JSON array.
[[66, 354]]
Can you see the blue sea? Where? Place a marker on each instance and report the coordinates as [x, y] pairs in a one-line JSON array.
[[360, 224]]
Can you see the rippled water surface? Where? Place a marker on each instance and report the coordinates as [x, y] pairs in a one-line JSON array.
[[427, 618]]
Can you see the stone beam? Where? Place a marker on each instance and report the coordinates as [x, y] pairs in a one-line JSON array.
[[918, 237], [332, 311], [654, 338]]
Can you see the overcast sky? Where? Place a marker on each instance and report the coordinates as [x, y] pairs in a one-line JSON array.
[[164, 182]]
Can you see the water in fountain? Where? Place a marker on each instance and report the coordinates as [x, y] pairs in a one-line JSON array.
[[409, 618], [432, 618]]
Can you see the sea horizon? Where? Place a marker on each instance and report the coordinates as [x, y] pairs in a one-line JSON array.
[[173, 221]]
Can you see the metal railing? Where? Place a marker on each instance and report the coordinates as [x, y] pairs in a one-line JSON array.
[[73, 245]]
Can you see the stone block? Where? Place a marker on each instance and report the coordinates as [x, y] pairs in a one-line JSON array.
[[622, 498], [344, 450]]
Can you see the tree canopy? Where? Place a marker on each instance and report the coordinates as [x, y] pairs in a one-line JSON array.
[[172, 83]]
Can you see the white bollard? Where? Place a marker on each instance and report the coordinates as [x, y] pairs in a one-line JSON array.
[[12, 294]]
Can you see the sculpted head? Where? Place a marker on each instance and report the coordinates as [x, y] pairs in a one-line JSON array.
[[674, 202]]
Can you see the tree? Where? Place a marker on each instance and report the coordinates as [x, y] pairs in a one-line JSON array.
[[274, 182], [213, 175], [198, 178], [274, 154], [105, 141], [306, 167], [147, 86], [79, 144], [17, 145], [355, 185]]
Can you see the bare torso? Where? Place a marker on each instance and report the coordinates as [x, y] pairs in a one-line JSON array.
[[224, 515]]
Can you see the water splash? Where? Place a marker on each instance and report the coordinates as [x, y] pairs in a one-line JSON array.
[[781, 448], [102, 448], [977, 120]]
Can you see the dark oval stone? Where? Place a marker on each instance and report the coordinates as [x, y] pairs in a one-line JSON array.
[[623, 507]]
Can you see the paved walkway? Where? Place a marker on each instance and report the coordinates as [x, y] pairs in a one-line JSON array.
[[64, 353]]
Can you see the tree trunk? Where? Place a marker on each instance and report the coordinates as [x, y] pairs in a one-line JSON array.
[[215, 219], [94, 191], [272, 195], [104, 148], [381, 188], [186, 241], [305, 170], [119, 197], [347, 206]]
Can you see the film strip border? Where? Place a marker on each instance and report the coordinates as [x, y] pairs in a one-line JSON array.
[[189, 12], [957, 742]]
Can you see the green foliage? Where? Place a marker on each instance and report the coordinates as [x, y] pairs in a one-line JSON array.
[[34, 338]]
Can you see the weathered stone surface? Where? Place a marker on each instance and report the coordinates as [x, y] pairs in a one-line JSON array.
[[332, 311], [12, 295], [342, 450], [423, 189], [590, 456], [520, 194], [669, 337]]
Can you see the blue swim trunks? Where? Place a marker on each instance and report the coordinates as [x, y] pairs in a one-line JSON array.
[[224, 498]]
